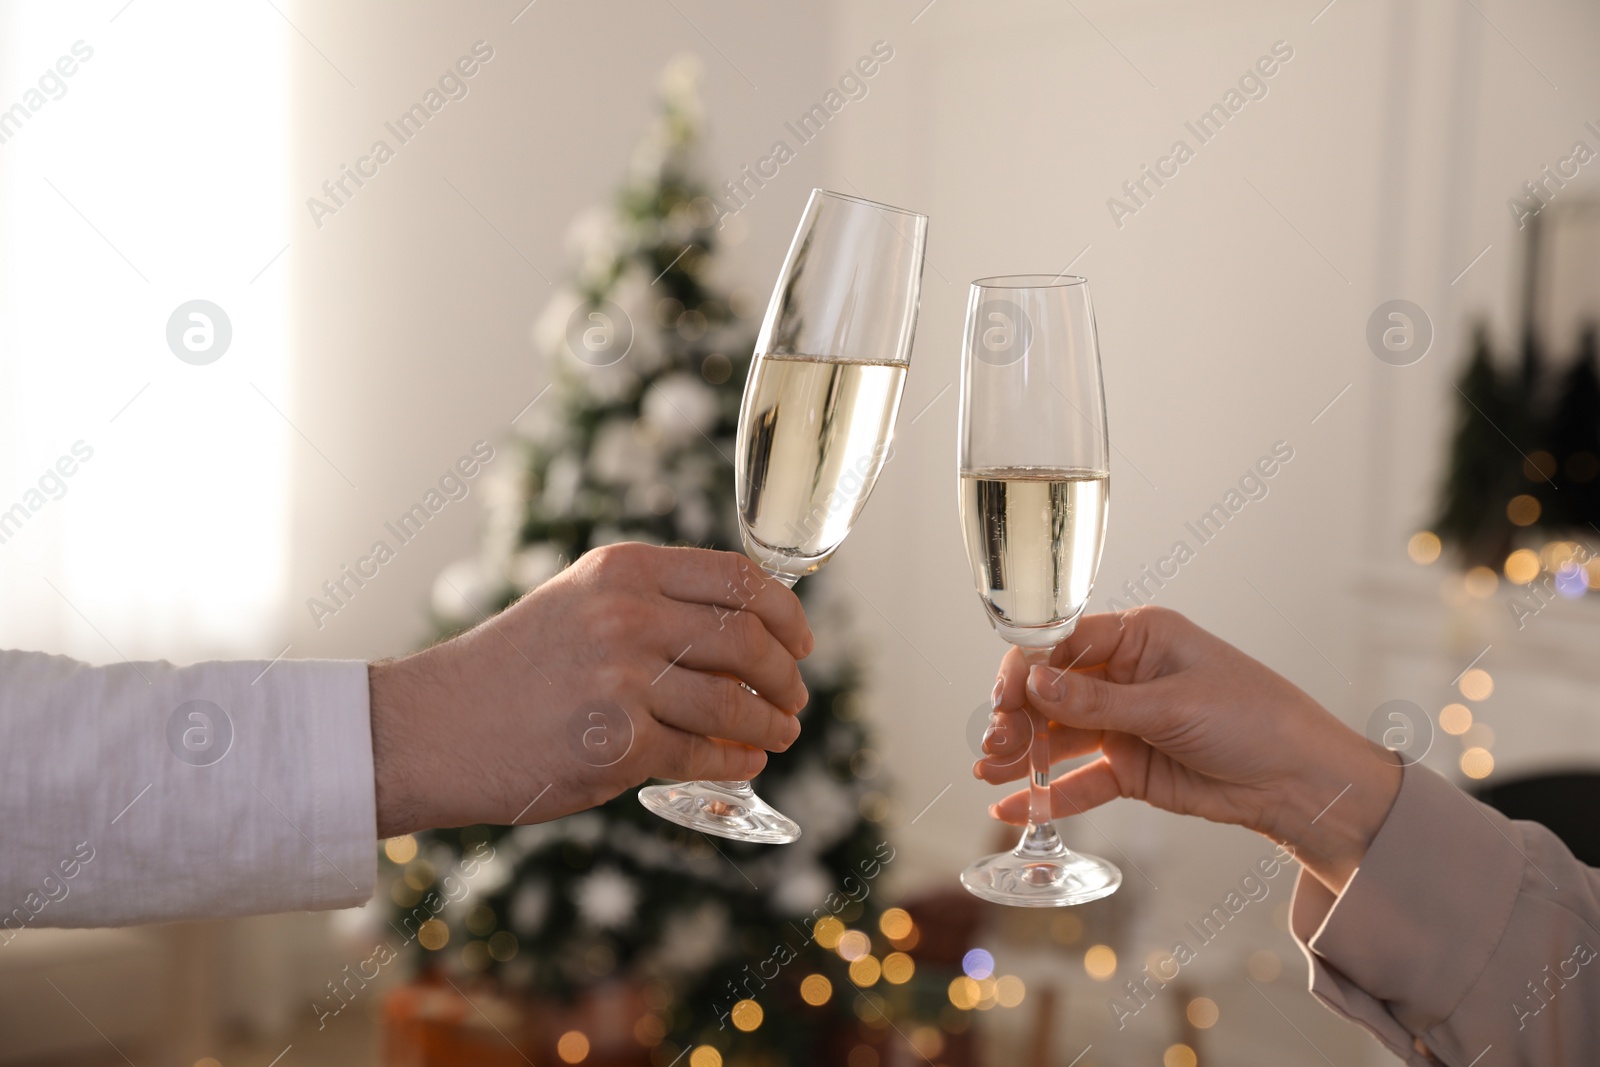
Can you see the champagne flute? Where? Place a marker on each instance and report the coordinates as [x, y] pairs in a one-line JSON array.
[[815, 428], [1034, 474]]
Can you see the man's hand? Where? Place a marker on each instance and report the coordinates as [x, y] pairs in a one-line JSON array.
[[1186, 722], [624, 667]]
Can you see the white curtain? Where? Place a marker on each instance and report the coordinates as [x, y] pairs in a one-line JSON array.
[[143, 166]]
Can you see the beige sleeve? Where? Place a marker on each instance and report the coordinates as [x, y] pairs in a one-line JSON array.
[[1464, 936]]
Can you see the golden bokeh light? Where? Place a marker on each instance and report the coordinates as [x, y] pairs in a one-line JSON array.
[[1477, 763], [433, 935], [1554, 554], [207, 1061], [865, 971], [927, 1042], [898, 968], [986, 994], [419, 874], [400, 850], [853, 944], [1480, 735], [1481, 582], [1424, 547], [1264, 965], [1203, 1013], [1477, 684], [895, 923], [1455, 719], [649, 1030], [475, 956], [1539, 467], [481, 920], [573, 1046], [747, 1015], [1009, 990], [815, 989], [705, 1056], [503, 946], [862, 1056], [1100, 961], [1179, 1056], [1523, 510], [869, 1008], [1522, 566], [827, 931], [1066, 928], [964, 992]]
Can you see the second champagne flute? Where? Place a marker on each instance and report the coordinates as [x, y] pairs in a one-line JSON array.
[[814, 429], [1034, 473]]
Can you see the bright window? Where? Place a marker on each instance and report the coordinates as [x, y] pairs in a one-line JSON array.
[[152, 175]]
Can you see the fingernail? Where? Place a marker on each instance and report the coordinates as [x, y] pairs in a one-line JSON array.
[[999, 687], [793, 730], [994, 811], [988, 735], [1047, 683], [977, 771]]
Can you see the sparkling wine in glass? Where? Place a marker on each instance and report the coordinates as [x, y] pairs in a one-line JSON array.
[[1034, 475], [814, 429]]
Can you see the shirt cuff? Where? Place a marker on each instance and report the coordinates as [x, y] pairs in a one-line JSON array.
[[345, 811], [1418, 921]]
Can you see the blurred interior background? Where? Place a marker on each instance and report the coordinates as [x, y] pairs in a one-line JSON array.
[[1397, 151]]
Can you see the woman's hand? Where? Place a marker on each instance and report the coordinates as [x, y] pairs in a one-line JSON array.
[[1186, 722]]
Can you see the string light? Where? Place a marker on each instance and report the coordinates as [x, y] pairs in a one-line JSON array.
[[853, 944], [573, 1046], [898, 968], [503, 946], [1477, 684], [1522, 566], [1009, 991], [1100, 961], [895, 923], [978, 963], [1455, 719], [815, 990], [1477, 763], [400, 850], [433, 935], [866, 971], [927, 1042], [1482, 582], [964, 992], [1424, 547], [419, 874], [1523, 510], [1179, 1056], [828, 931], [1203, 1013], [747, 1015], [705, 1056], [1066, 928]]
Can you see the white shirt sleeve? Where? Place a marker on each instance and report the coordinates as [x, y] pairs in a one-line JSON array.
[[146, 792]]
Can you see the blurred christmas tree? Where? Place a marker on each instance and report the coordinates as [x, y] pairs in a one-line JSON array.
[[711, 941], [1522, 487], [1480, 475]]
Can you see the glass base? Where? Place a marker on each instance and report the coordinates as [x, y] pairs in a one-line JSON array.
[[1053, 878], [726, 809]]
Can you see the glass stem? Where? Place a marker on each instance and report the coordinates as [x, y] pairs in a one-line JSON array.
[[1040, 836], [743, 788]]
